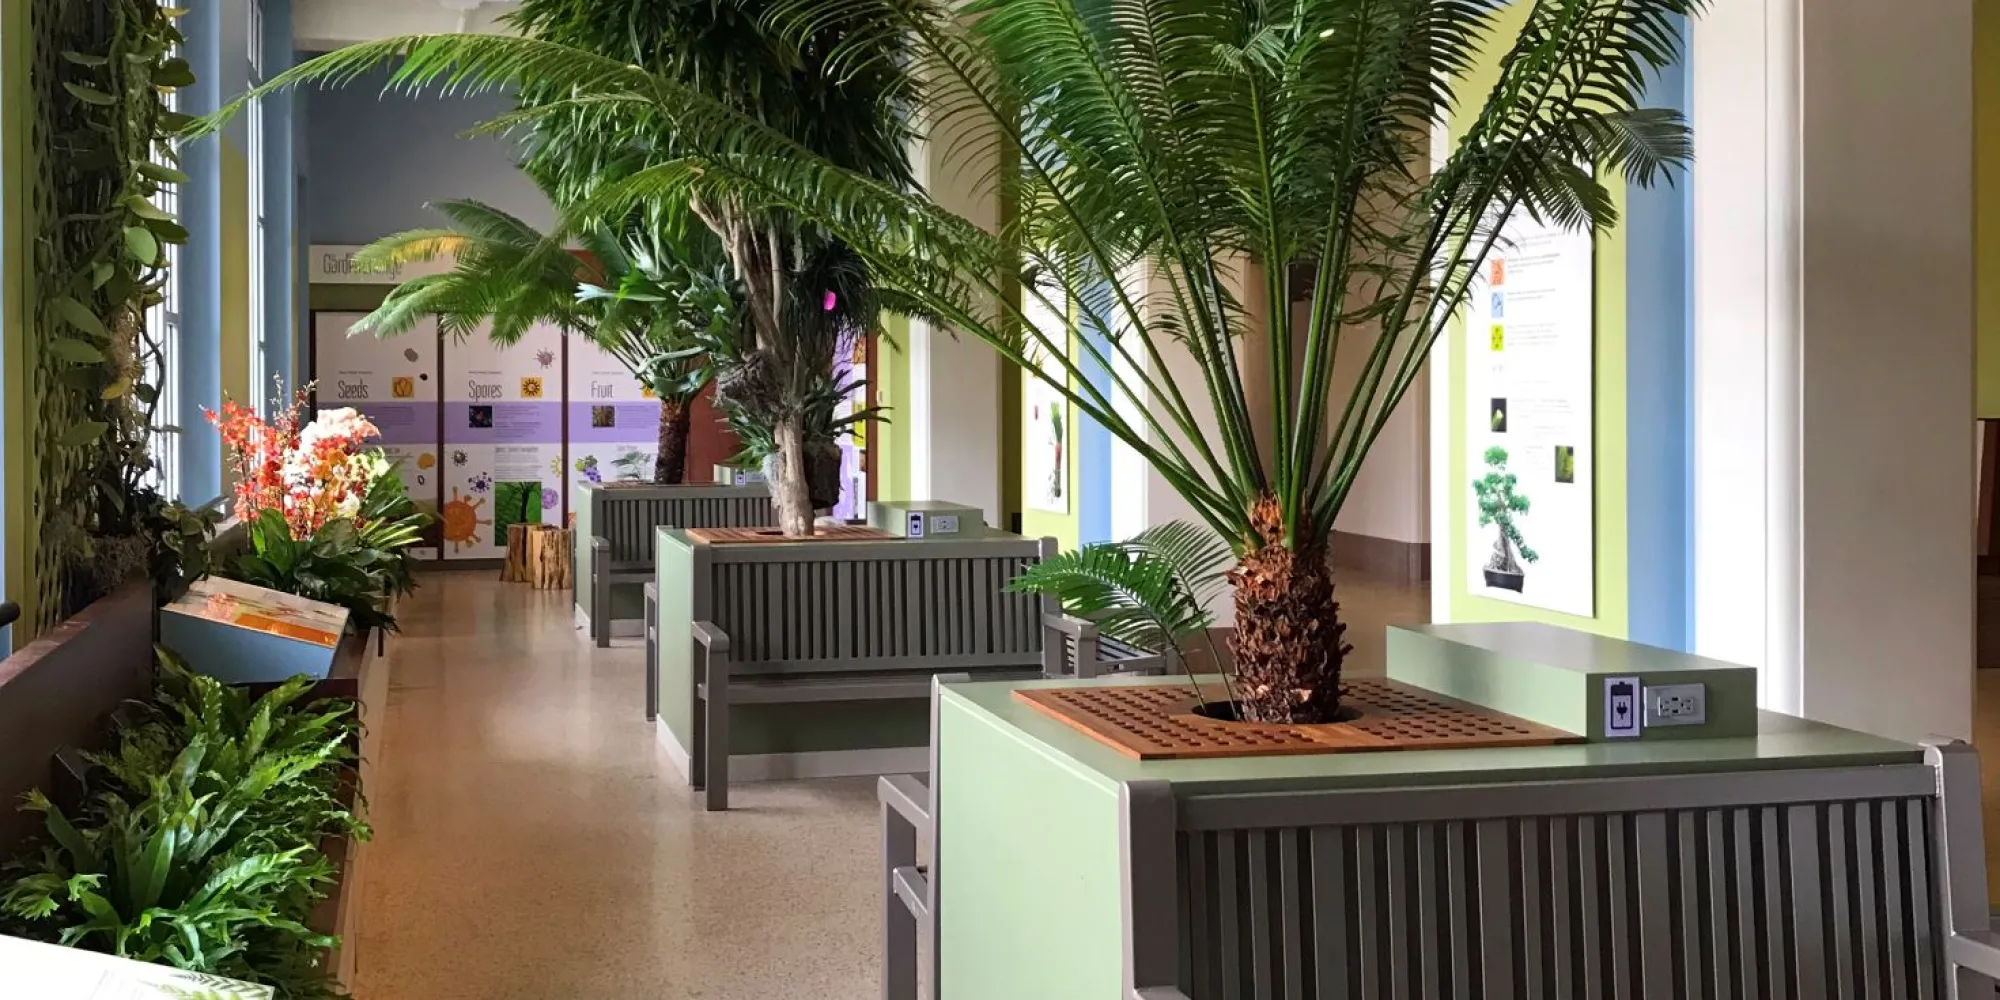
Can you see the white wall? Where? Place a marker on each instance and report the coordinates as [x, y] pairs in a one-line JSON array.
[[1834, 311], [1391, 496], [952, 412]]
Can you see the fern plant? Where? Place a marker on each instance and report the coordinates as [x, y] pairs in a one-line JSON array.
[[1153, 591], [1177, 159], [199, 844]]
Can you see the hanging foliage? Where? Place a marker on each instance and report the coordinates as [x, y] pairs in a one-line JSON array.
[[102, 77]]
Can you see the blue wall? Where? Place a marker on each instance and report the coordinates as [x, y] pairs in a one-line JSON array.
[[1659, 349], [376, 159]]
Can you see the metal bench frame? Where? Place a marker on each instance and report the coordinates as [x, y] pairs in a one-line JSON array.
[[621, 523], [1945, 932]]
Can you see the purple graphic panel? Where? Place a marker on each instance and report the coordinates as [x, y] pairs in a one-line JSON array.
[[614, 423], [402, 423], [503, 423]]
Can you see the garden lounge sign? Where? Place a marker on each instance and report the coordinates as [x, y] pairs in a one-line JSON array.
[[334, 264], [1529, 451]]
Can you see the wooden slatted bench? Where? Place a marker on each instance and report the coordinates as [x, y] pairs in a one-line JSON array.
[[833, 623], [615, 525]]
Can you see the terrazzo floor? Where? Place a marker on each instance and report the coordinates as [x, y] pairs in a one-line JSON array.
[[531, 841]]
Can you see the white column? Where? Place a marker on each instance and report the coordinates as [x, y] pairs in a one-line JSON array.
[[1834, 356], [952, 409]]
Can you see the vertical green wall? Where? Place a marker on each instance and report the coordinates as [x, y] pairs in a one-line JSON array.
[[1986, 198], [1609, 460], [17, 412]]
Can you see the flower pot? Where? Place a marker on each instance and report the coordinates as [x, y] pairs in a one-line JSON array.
[[1504, 580]]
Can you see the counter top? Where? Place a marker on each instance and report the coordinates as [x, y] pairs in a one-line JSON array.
[[1782, 741]]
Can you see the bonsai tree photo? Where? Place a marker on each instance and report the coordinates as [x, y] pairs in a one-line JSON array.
[[1498, 505], [1174, 166]]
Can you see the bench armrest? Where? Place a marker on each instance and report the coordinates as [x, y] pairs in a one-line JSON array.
[[1976, 951], [1070, 625], [908, 797], [1157, 993], [711, 635], [599, 544]]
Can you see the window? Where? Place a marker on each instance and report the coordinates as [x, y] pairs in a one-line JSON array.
[[260, 386], [163, 328]]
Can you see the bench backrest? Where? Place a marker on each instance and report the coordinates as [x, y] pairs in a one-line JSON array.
[[626, 516], [833, 606], [1793, 884]]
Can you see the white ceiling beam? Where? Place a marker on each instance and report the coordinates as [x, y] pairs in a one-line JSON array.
[[325, 25]]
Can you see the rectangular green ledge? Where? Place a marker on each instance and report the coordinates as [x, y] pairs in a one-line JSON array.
[[1781, 741], [1557, 676]]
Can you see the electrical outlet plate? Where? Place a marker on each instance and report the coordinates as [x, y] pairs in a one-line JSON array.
[[944, 524], [1676, 705]]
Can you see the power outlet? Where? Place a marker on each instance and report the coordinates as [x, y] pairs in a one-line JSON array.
[[1676, 705], [944, 524]]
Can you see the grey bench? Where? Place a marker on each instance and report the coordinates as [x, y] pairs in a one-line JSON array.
[[1860, 881], [834, 622], [614, 535]]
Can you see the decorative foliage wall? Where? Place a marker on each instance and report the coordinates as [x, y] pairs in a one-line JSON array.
[[101, 76]]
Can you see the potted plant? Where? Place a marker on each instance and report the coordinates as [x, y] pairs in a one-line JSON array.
[[1498, 505], [329, 519], [1173, 168]]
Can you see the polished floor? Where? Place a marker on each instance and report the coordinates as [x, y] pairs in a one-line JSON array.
[[532, 843]]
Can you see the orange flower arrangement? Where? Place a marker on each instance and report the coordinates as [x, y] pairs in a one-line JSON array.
[[312, 474]]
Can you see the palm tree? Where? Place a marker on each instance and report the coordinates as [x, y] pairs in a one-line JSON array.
[[732, 53], [1204, 147], [641, 300]]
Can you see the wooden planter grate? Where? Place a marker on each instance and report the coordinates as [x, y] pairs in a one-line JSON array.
[[1157, 722], [739, 536]]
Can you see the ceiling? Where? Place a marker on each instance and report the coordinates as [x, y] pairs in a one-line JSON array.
[[323, 25]]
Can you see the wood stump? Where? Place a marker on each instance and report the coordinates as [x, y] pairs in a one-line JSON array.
[[548, 565], [515, 570]]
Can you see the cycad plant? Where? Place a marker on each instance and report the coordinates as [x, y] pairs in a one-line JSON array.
[[640, 293], [1179, 162]]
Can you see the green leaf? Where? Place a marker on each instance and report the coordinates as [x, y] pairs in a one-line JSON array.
[[89, 95], [142, 245], [100, 273], [161, 172], [81, 59], [117, 390], [174, 73], [80, 316], [144, 209], [168, 230], [78, 352], [84, 433]]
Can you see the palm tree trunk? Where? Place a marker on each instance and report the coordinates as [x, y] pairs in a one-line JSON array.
[[1288, 641], [676, 423], [791, 492]]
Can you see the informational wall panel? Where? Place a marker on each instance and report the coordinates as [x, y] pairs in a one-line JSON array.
[[503, 440], [394, 383], [614, 423], [1531, 536]]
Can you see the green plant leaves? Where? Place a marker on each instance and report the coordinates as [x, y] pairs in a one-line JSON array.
[[89, 95], [81, 317], [81, 59], [84, 433], [142, 245], [161, 173], [75, 351]]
